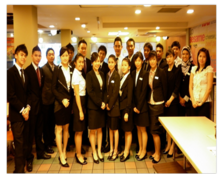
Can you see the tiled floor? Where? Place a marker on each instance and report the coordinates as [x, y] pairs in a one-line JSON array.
[[130, 166]]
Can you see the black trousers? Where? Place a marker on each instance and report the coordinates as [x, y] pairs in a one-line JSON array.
[[71, 131], [20, 147], [203, 110], [48, 124], [34, 128]]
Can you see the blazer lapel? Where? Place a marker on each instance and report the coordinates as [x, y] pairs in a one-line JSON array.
[[139, 76], [62, 79], [156, 75], [96, 79], [19, 77], [125, 82]]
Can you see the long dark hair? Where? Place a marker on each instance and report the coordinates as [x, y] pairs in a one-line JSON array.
[[208, 58]]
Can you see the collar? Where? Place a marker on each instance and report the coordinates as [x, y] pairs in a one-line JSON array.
[[18, 67], [138, 71], [35, 67], [152, 70], [60, 65], [77, 71], [130, 57], [125, 76], [101, 63], [159, 61], [118, 57], [111, 73]]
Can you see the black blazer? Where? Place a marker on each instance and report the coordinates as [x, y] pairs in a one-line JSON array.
[[89, 68], [173, 83], [133, 67], [126, 97], [47, 94], [16, 94], [163, 64], [95, 95], [113, 94], [140, 90], [60, 89], [104, 69], [184, 86], [34, 90], [159, 86], [144, 66]]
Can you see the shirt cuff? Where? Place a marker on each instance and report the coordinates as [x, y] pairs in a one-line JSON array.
[[174, 95], [186, 98], [21, 110]]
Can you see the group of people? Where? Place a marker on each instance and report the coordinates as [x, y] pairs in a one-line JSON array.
[[113, 97]]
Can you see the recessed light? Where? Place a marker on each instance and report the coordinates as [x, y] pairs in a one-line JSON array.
[[11, 34], [40, 31], [157, 38], [74, 39], [77, 19], [147, 5], [126, 28], [40, 40], [137, 11], [83, 25], [88, 31], [164, 37], [190, 11], [94, 39], [157, 28], [53, 32], [51, 26]]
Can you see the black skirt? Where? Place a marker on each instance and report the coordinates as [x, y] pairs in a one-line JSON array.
[[78, 125], [62, 117], [127, 126], [154, 112], [96, 118], [113, 122], [141, 119]]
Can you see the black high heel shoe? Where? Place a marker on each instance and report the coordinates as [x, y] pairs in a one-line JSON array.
[[78, 161], [169, 156], [110, 155], [151, 157], [95, 161], [165, 152], [123, 159], [140, 159], [64, 165], [116, 156], [154, 161]]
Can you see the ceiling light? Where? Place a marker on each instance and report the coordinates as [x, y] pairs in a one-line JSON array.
[[147, 5], [88, 31], [137, 11], [164, 37], [74, 39], [190, 11], [157, 38], [40, 31], [83, 25], [77, 19], [53, 32], [157, 28], [11, 34], [94, 39], [51, 26], [126, 28], [40, 40]]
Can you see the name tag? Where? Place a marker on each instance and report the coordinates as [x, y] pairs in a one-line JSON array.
[[156, 77], [140, 78], [70, 72], [112, 81]]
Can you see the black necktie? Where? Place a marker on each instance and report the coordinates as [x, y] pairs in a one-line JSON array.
[[22, 76], [145, 67]]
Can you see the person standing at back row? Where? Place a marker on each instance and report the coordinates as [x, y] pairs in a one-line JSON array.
[[118, 49], [130, 46], [176, 48], [147, 48]]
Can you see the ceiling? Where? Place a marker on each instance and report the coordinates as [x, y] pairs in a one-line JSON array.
[[173, 20]]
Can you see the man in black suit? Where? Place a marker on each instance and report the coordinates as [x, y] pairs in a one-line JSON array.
[[17, 83], [82, 48], [48, 102], [161, 61], [102, 52], [147, 48], [130, 46], [35, 128], [71, 50]]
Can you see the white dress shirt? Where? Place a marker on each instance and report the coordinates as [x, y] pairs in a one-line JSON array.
[[119, 65], [78, 79], [123, 79], [66, 73], [19, 69], [137, 75]]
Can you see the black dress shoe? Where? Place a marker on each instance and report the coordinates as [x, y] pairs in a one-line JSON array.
[[49, 150], [29, 166], [169, 156], [116, 156], [68, 148], [95, 161], [151, 157], [154, 161], [78, 161], [124, 159], [165, 152], [44, 156], [101, 159], [82, 150], [140, 159], [110, 155], [64, 165]]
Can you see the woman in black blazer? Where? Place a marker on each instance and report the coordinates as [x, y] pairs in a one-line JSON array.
[[141, 117], [157, 92], [113, 112], [125, 92], [184, 97], [171, 106], [95, 83], [61, 88]]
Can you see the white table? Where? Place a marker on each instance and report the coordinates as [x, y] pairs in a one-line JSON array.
[[191, 135]]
